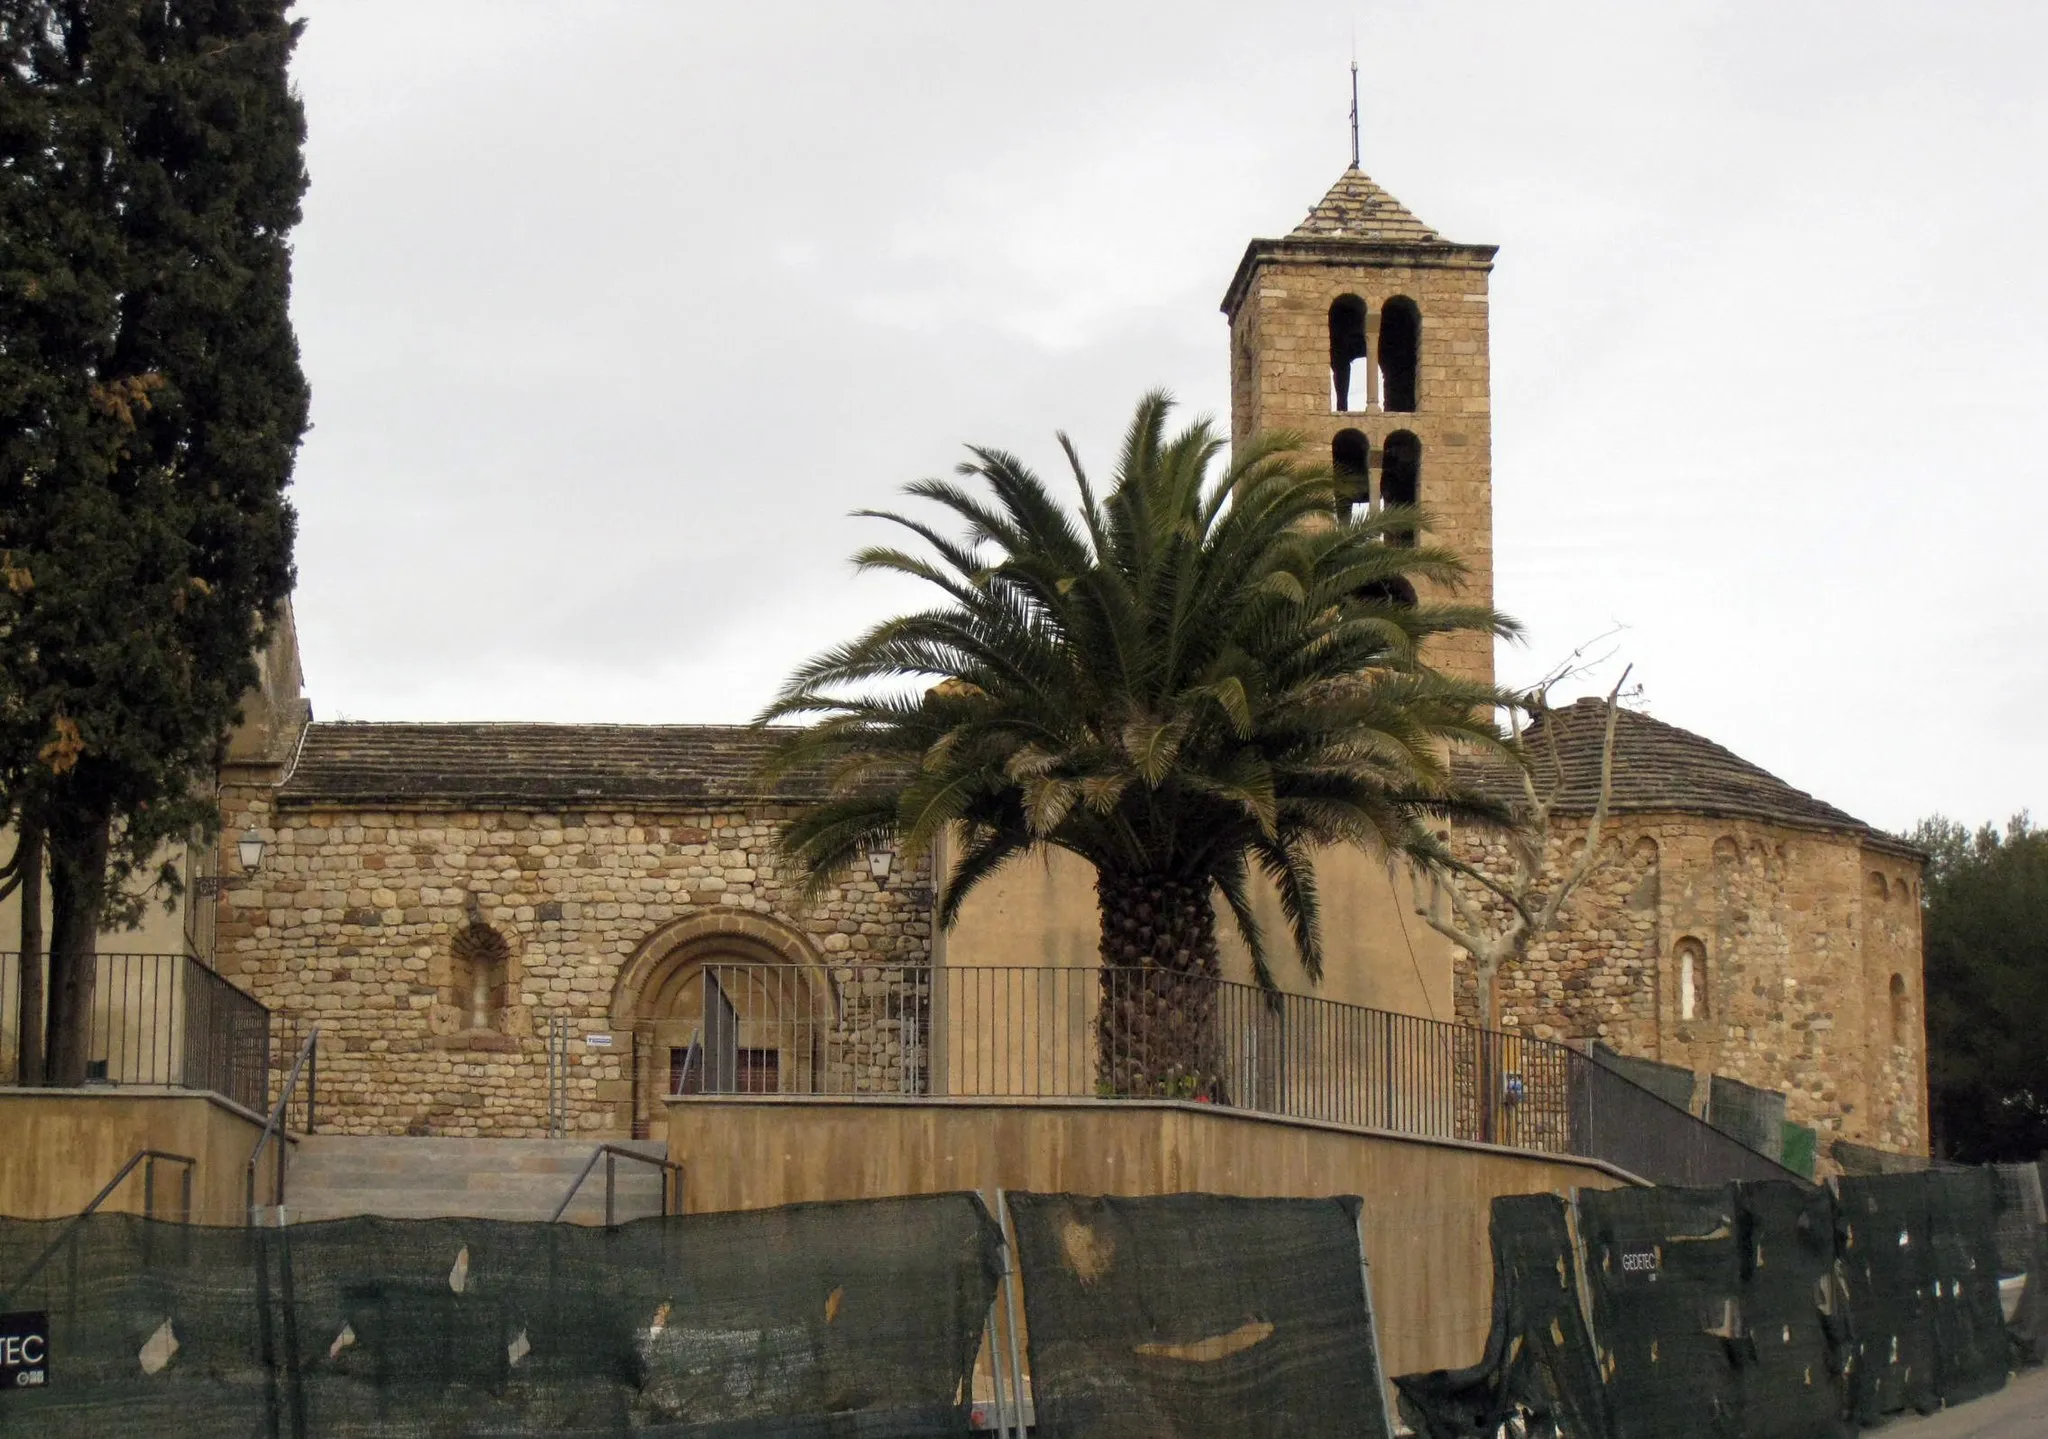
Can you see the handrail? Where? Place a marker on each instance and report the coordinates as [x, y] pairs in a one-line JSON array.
[[147, 1158], [610, 1154], [273, 1127]]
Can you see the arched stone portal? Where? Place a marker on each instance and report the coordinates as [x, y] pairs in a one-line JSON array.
[[722, 1003]]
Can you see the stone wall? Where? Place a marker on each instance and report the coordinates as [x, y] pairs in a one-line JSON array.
[[1794, 965], [357, 921], [1895, 1025]]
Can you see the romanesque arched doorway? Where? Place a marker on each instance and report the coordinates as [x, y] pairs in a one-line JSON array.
[[723, 1004]]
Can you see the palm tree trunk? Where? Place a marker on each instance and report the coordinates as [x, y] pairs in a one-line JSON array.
[[1156, 1023]]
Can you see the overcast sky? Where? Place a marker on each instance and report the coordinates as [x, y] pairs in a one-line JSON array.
[[612, 312]]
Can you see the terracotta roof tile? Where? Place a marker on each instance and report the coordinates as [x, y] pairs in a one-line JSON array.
[[536, 765], [1659, 767]]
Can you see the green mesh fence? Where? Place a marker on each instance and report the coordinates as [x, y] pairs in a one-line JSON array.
[[1714, 1311], [1881, 1237], [814, 1320], [1771, 1310], [2021, 1215], [1194, 1315], [1539, 1369], [1664, 1272], [1920, 1254], [1794, 1351], [154, 1328], [1669, 1082], [1755, 1117], [2029, 1325], [1971, 1348], [1799, 1149]]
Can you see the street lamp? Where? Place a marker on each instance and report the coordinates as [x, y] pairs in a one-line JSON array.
[[880, 857], [250, 845]]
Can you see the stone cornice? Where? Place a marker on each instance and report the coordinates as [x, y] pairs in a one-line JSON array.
[[1433, 255]]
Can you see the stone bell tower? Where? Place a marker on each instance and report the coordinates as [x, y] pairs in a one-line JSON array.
[[1365, 331]]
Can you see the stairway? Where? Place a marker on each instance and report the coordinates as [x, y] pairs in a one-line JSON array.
[[336, 1176]]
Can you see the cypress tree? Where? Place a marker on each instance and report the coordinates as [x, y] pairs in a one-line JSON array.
[[151, 406]]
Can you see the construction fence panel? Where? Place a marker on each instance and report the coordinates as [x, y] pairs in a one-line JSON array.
[[1198, 1315], [153, 1328], [1972, 1348], [1920, 1255], [1770, 1310], [839, 1320], [1794, 1353], [1664, 1271], [1539, 1369]]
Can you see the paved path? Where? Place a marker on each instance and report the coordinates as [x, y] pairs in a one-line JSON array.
[[2018, 1411]]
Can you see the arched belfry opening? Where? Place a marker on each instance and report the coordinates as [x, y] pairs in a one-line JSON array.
[[1350, 465], [1401, 477], [1394, 590], [1400, 353], [1348, 347]]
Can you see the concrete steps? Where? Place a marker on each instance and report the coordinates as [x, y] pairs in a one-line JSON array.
[[339, 1176]]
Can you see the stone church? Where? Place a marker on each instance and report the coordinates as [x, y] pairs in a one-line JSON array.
[[502, 929]]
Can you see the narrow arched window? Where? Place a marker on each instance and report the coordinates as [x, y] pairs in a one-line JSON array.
[[1901, 1011], [1347, 348], [478, 956], [1400, 353], [1693, 1002], [1401, 477], [1348, 455]]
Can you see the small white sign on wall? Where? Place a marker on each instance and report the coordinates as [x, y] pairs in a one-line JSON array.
[[598, 1041]]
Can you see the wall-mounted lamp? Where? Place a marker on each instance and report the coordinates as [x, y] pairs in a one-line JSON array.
[[880, 858], [250, 846]]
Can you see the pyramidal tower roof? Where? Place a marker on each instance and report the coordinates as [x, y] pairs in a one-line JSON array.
[[1358, 209]]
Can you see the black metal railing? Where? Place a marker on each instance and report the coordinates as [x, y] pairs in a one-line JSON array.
[[1021, 1032], [159, 1019], [288, 1035], [669, 1172], [274, 1136], [148, 1159]]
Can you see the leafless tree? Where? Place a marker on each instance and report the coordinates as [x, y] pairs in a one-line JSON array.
[[1529, 901]]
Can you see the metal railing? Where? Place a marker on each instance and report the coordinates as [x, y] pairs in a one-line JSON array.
[[611, 1154], [159, 1019], [274, 1128], [1018, 1032], [148, 1159], [288, 1035]]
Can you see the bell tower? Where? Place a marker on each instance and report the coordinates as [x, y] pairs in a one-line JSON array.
[[1364, 331]]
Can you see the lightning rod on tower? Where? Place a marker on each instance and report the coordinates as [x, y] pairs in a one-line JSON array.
[[1354, 109]]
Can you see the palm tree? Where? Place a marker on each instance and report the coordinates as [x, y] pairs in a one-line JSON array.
[[1193, 677]]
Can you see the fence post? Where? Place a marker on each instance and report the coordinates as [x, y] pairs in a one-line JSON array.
[[1009, 1289]]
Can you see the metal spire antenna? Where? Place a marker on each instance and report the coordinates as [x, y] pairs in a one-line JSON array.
[[1354, 96]]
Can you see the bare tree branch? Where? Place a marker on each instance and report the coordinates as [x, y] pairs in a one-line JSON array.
[[1533, 909]]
